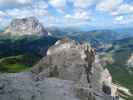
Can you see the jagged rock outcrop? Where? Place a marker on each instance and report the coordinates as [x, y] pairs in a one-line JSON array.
[[70, 71], [26, 26]]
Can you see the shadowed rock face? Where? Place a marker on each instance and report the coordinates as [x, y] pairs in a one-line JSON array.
[[70, 71], [26, 26]]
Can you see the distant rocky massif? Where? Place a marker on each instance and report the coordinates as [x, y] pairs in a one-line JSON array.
[[26, 26], [69, 71]]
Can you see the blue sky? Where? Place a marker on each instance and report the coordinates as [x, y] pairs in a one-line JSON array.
[[95, 13]]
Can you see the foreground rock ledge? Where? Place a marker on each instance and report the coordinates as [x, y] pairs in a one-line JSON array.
[[70, 71]]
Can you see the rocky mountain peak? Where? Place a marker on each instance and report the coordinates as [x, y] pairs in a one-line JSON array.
[[26, 26], [78, 62]]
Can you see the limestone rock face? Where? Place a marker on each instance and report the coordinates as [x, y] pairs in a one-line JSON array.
[[70, 71], [68, 60], [26, 26], [21, 87], [64, 60]]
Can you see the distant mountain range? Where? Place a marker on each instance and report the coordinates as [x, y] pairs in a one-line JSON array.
[[115, 34], [97, 38]]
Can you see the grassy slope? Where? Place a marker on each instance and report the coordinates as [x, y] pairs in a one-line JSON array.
[[119, 71], [20, 53], [17, 63], [121, 52]]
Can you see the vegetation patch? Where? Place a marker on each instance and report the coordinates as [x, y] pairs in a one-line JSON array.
[[18, 63]]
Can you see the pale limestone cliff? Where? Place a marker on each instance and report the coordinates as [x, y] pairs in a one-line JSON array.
[[26, 26]]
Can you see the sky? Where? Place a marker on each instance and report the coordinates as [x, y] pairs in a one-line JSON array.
[[63, 13]]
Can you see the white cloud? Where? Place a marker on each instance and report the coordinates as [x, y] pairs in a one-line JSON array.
[[83, 3], [40, 4], [15, 1], [0, 19], [108, 5], [119, 18], [123, 14], [79, 15], [122, 22], [24, 1], [123, 19], [19, 13], [58, 4], [123, 9], [2, 14], [26, 12], [40, 8], [40, 12]]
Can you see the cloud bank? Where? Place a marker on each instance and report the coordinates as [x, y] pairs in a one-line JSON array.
[[70, 11]]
